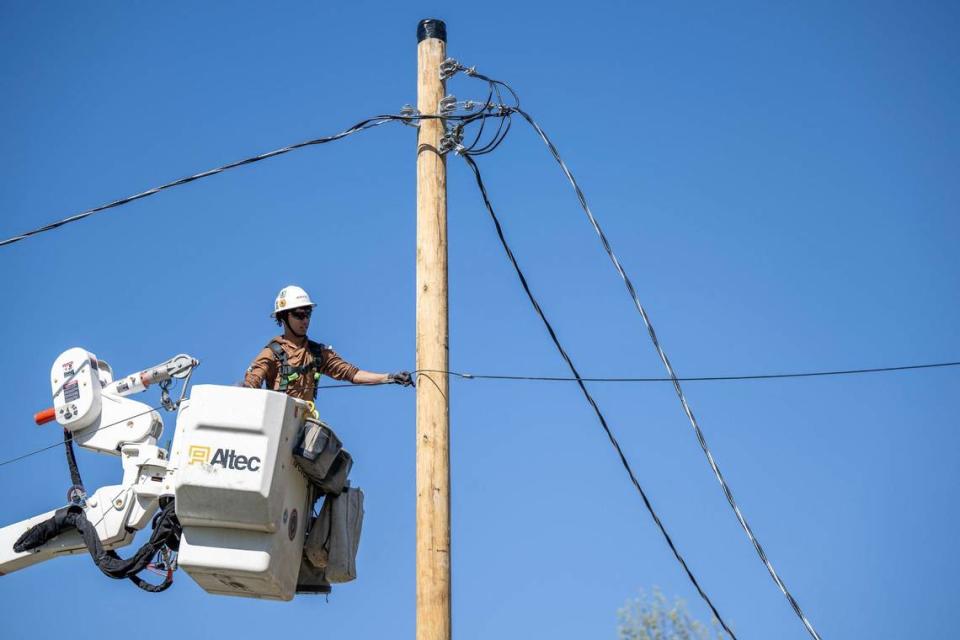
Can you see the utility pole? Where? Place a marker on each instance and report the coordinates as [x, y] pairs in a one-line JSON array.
[[433, 400]]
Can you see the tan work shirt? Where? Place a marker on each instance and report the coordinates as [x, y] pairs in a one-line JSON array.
[[265, 368]]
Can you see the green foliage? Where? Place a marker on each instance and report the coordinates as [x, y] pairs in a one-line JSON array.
[[651, 617]]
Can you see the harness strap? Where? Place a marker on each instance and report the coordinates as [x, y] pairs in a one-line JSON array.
[[284, 369], [288, 373]]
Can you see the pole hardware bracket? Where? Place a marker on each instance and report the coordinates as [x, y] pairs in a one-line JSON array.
[[452, 140], [450, 67], [411, 116], [448, 104]]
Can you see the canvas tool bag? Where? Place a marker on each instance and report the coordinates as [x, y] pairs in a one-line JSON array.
[[317, 449], [335, 536]]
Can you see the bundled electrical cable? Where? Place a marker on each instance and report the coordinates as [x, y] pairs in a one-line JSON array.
[[164, 539]]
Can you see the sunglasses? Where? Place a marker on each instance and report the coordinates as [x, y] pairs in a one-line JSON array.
[[301, 315]]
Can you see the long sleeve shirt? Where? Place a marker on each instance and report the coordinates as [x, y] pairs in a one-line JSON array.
[[265, 368]]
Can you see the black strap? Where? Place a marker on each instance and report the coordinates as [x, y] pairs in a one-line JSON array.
[[72, 460], [278, 351], [285, 370], [316, 350]]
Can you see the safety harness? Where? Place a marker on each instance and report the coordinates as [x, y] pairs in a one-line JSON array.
[[288, 373]]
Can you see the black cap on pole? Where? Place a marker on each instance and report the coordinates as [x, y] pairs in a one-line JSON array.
[[431, 28]]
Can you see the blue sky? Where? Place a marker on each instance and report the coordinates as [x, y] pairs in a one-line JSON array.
[[780, 182]]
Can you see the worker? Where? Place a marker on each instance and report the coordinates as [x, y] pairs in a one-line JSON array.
[[293, 363]]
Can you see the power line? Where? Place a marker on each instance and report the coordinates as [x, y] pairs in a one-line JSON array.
[[673, 376], [521, 378], [363, 125], [57, 444], [762, 376], [360, 126], [588, 396], [503, 113]]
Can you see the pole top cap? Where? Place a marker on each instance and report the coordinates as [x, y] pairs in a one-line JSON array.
[[431, 28]]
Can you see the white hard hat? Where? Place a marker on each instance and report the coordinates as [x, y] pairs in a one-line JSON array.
[[292, 297]]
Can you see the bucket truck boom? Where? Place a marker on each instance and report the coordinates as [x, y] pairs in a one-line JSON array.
[[243, 506]]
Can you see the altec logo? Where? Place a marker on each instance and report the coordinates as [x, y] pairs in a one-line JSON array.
[[199, 455], [226, 458]]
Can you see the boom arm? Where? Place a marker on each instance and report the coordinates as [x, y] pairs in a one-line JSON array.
[[89, 404], [235, 497]]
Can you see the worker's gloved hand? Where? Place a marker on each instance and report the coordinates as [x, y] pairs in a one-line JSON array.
[[402, 378]]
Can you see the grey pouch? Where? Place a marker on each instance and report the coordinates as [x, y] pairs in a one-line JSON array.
[[317, 450], [335, 537], [336, 479]]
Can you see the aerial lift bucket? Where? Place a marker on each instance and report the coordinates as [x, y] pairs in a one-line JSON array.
[[242, 501]]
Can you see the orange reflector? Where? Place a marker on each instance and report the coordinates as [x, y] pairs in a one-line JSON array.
[[45, 416]]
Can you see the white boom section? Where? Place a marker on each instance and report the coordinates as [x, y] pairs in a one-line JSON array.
[[99, 509], [90, 405], [93, 407]]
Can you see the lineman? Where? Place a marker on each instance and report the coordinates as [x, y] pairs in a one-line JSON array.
[[293, 363]]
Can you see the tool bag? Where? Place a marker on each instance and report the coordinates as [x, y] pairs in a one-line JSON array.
[[335, 536], [317, 449], [336, 479]]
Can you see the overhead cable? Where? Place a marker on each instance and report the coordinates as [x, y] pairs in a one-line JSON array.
[[670, 371], [593, 403], [57, 444], [363, 125], [165, 403], [760, 376]]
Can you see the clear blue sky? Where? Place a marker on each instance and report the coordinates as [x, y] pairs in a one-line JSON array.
[[780, 181]]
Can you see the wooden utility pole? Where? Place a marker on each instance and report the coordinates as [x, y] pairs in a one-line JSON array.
[[433, 400]]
